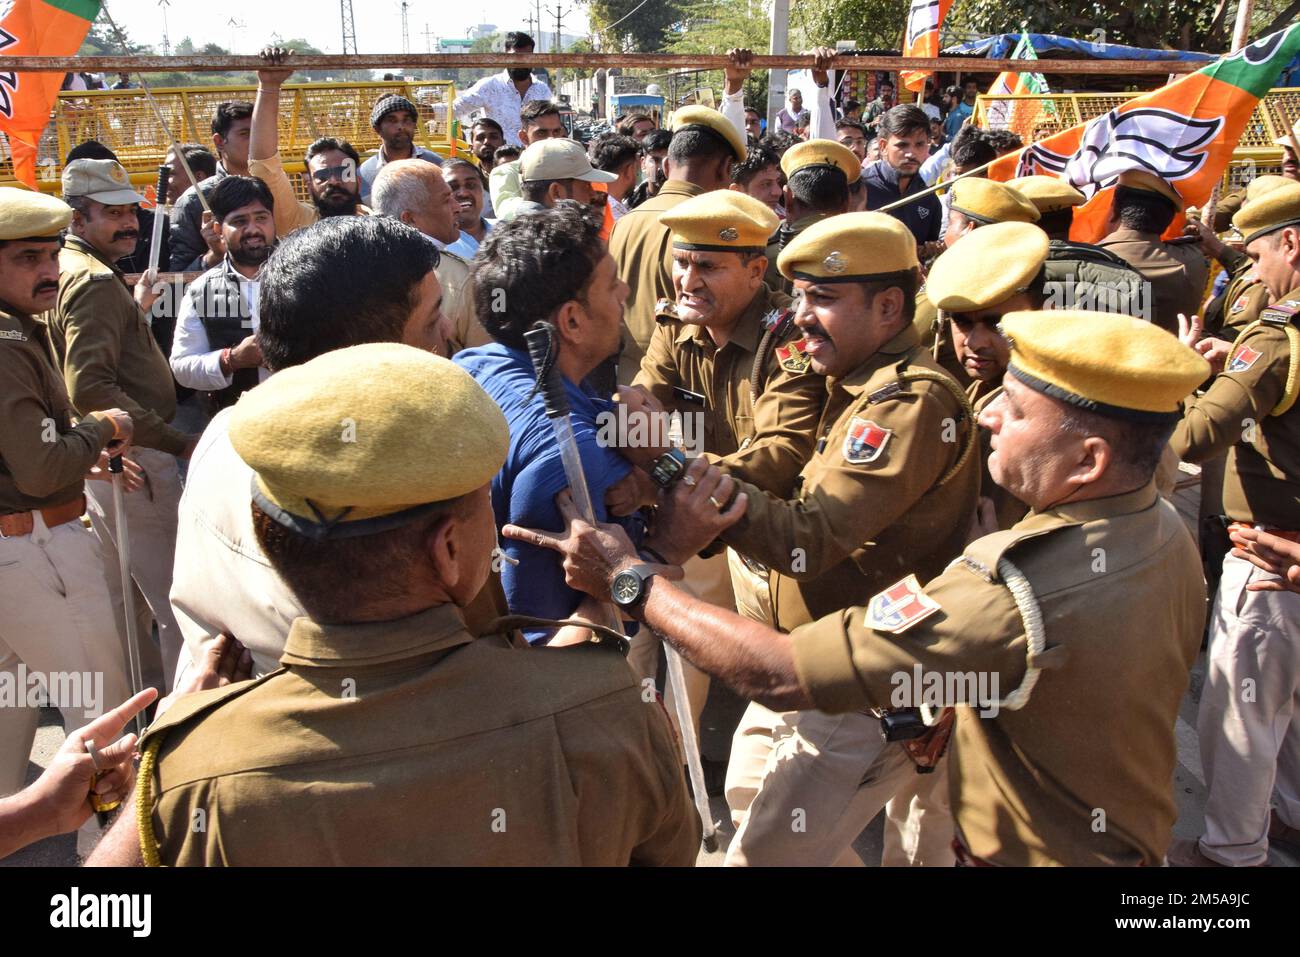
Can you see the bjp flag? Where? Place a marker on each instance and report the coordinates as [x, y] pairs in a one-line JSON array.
[[922, 40], [36, 28], [1184, 133]]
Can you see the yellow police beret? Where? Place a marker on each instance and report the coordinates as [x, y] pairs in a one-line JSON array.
[[850, 247], [986, 267], [1150, 183], [26, 214], [722, 220], [1110, 364], [355, 441], [1261, 185], [988, 201], [1270, 212], [1047, 193], [821, 153], [710, 119]]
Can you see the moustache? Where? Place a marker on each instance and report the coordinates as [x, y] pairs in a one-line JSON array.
[[45, 287], [126, 234]]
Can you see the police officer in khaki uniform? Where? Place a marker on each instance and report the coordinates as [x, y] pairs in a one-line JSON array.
[[814, 190], [724, 342], [58, 615], [409, 762], [1099, 587], [892, 484], [1250, 744], [704, 148], [1142, 208], [982, 277], [110, 358]]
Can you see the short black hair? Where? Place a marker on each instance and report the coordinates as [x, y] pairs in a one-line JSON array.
[[227, 113], [850, 105], [234, 192], [612, 151], [536, 263], [778, 141], [852, 125], [331, 143], [90, 150], [908, 280], [758, 159], [626, 123], [202, 162], [903, 119], [506, 153], [1057, 222], [755, 110], [487, 121], [456, 162], [821, 188], [1142, 210], [1138, 446], [517, 38], [699, 143], [655, 140], [885, 83], [310, 301], [1003, 141], [971, 148], [534, 110]]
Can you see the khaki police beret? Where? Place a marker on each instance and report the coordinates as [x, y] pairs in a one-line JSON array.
[[708, 118], [27, 214], [988, 201], [1047, 193], [1110, 364], [723, 220], [1260, 185], [821, 153], [987, 266], [1270, 212], [1150, 183], [355, 441], [104, 181], [850, 247]]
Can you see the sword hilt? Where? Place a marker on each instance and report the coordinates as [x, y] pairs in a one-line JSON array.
[[539, 339], [115, 464], [162, 186]]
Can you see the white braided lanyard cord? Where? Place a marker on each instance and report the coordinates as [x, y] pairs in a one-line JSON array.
[[1035, 638]]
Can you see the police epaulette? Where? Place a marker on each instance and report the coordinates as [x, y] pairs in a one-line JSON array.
[[97, 276], [1280, 313], [888, 392], [665, 310]]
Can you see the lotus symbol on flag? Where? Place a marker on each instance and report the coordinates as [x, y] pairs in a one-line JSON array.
[[1169, 144]]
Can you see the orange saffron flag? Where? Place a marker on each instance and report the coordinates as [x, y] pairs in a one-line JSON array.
[[922, 40], [36, 28], [1184, 132]]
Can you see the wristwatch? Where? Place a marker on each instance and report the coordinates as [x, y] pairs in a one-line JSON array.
[[668, 468], [629, 586]]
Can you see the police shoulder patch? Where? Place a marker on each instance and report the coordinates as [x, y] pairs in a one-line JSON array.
[[899, 607], [865, 441], [792, 358], [1243, 359], [1239, 304]]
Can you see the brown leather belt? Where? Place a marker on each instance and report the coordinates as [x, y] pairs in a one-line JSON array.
[[22, 523], [1280, 533]]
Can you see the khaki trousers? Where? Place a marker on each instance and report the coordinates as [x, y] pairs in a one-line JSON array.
[[706, 579], [802, 785], [1249, 720], [151, 523], [58, 622]]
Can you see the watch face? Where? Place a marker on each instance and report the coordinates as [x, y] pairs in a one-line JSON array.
[[626, 588]]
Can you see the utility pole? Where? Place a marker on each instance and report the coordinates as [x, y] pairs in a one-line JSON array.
[[234, 25], [428, 41], [776, 78], [406, 31], [349, 27], [559, 45], [167, 42]]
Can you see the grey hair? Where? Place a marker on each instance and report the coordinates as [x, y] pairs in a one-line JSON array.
[[395, 193]]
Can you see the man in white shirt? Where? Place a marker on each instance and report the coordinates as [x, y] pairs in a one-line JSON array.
[[214, 349], [503, 95]]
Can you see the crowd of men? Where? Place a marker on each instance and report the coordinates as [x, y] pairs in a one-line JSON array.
[[892, 466]]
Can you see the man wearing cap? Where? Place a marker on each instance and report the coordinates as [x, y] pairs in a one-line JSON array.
[[1086, 276], [540, 120], [409, 762], [890, 487], [556, 169], [818, 174], [725, 341], [704, 148], [986, 274], [1099, 587], [1141, 210], [394, 118], [110, 359], [58, 611], [1250, 744]]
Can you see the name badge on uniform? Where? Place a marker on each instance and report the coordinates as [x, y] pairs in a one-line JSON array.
[[792, 358], [15, 334], [865, 441], [1243, 359], [899, 607], [686, 395]]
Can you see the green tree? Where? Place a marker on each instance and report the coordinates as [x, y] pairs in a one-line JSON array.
[[716, 26], [632, 24], [871, 24]]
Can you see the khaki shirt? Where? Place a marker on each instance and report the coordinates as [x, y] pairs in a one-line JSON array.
[[376, 744], [291, 213], [44, 458], [1080, 775], [860, 521], [1241, 302], [643, 252], [458, 303], [1261, 483], [109, 356], [763, 437], [1178, 273]]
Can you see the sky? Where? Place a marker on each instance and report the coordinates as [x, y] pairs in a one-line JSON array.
[[378, 22]]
